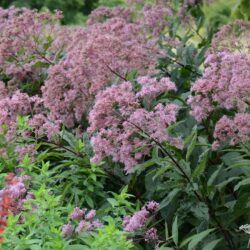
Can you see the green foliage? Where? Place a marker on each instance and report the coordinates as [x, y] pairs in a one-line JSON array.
[[41, 224], [203, 188], [64, 166], [218, 12], [74, 11], [221, 12], [120, 203], [242, 10], [111, 3], [8, 159], [109, 238]]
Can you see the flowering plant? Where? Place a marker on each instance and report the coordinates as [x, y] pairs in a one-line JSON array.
[[129, 132]]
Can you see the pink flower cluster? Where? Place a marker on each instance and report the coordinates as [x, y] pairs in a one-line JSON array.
[[151, 87], [151, 235], [224, 85], [25, 41], [29, 150], [97, 54], [117, 122], [155, 18], [24, 34], [72, 65], [15, 191], [139, 219], [233, 130], [101, 14], [43, 125], [12, 106], [20, 104], [85, 222], [232, 37]]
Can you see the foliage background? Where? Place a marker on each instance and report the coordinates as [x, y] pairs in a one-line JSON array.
[[75, 11], [220, 178]]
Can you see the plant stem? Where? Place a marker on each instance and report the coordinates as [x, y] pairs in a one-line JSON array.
[[225, 233], [117, 74], [206, 200]]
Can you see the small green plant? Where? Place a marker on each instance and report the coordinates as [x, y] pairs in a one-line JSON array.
[[39, 225], [109, 238]]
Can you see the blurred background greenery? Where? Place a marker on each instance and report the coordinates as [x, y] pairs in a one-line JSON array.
[[76, 11]]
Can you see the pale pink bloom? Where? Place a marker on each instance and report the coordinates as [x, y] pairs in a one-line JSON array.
[[117, 121], [90, 215], [152, 206], [151, 235], [137, 221], [67, 230], [233, 130], [77, 214], [83, 226]]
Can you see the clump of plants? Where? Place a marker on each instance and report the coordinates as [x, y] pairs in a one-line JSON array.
[[130, 132]]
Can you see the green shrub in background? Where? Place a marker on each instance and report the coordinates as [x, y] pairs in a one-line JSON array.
[[75, 11], [242, 10], [110, 3]]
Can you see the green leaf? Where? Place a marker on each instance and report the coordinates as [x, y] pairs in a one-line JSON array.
[[242, 163], [165, 248], [77, 247], [192, 144], [22, 122], [40, 64], [162, 170], [112, 202], [138, 169], [175, 231], [211, 245], [200, 211], [48, 43], [202, 164], [45, 167], [195, 239], [226, 182], [89, 201], [166, 201], [166, 231], [231, 158], [214, 176], [242, 183]]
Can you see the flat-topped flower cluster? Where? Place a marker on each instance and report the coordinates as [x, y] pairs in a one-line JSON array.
[[225, 85], [78, 77]]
